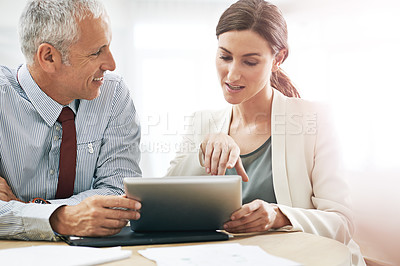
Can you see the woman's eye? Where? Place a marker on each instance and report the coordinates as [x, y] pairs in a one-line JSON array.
[[250, 63], [225, 58]]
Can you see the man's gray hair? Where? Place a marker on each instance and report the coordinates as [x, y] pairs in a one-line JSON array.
[[54, 22]]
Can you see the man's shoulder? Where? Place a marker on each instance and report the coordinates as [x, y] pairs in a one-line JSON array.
[[113, 85], [113, 92], [112, 77], [7, 76]]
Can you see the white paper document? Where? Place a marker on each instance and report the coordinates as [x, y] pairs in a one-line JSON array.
[[61, 255], [214, 254]]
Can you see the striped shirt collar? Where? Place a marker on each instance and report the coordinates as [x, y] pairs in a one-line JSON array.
[[48, 109]]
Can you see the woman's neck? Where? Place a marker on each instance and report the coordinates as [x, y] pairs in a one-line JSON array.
[[255, 110], [251, 122]]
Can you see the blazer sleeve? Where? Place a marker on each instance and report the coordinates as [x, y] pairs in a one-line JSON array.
[[186, 161], [329, 212]]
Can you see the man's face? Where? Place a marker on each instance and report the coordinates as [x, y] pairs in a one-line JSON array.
[[89, 59]]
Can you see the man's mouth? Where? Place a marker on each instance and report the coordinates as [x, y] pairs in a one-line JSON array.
[[98, 79]]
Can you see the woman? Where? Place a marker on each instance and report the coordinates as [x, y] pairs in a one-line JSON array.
[[282, 145]]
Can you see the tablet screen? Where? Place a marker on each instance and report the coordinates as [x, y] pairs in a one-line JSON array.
[[194, 203]]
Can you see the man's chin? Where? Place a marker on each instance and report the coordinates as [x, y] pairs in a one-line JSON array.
[[93, 96]]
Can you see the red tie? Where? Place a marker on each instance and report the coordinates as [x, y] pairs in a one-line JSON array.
[[66, 177]]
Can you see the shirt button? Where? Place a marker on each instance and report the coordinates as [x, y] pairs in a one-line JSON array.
[[58, 128], [51, 171], [55, 138]]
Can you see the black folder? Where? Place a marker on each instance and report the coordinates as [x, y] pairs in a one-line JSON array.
[[127, 237]]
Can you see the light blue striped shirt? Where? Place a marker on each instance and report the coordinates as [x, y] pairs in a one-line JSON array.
[[108, 138]]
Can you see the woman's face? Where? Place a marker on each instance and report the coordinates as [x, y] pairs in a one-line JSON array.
[[244, 64]]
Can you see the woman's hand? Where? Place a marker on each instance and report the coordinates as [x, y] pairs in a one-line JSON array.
[[221, 152], [256, 216]]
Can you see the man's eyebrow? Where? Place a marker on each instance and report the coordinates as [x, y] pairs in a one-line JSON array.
[[98, 48], [249, 54]]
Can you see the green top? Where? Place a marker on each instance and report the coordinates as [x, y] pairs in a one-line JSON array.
[[258, 166]]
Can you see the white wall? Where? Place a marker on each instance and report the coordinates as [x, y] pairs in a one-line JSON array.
[[346, 52], [343, 52]]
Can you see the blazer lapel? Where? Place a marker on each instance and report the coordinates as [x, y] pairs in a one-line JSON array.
[[222, 120], [278, 140]]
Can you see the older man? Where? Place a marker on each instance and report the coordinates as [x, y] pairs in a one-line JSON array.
[[69, 132]]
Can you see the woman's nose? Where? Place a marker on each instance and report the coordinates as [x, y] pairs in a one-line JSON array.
[[233, 72]]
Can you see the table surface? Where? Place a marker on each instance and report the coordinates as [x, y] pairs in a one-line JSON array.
[[304, 248]]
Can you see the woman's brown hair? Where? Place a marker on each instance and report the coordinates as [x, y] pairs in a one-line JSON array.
[[265, 19]]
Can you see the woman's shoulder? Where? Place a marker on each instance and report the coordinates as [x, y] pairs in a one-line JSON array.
[[212, 120], [216, 113], [293, 105]]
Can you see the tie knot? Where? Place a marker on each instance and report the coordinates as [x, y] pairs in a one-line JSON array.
[[66, 114]]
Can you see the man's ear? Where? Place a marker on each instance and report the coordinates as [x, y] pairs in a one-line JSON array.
[[49, 58], [279, 58]]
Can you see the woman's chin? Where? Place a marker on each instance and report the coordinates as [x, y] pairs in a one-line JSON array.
[[232, 100]]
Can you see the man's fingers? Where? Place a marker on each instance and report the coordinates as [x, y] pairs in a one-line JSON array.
[[100, 231], [116, 202], [118, 214], [109, 231], [6, 193], [114, 224], [95, 216], [3, 197], [114, 207]]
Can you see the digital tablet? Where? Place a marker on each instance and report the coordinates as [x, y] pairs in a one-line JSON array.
[[127, 237], [189, 203]]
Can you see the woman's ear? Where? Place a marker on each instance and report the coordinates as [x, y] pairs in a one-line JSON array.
[[279, 58], [48, 57]]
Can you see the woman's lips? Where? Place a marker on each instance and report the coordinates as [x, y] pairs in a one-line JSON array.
[[233, 88]]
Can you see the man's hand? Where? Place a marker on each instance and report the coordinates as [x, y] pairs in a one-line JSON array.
[[6, 193], [95, 216]]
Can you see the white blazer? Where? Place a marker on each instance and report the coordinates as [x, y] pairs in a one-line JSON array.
[[309, 186]]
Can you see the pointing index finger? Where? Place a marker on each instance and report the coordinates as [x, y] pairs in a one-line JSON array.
[[241, 171]]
